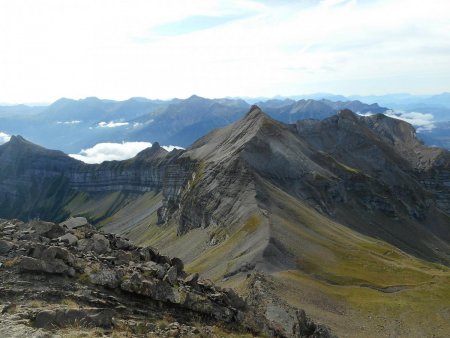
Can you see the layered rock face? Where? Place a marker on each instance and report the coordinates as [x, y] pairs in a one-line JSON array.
[[110, 280], [38, 183]]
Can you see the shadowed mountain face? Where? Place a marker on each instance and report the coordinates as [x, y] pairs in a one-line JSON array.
[[328, 200]]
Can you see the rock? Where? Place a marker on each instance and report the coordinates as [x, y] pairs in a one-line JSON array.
[[48, 229], [171, 275], [98, 243], [154, 288], [192, 279], [122, 257], [76, 222], [69, 239], [178, 263], [64, 317], [37, 249], [54, 252], [54, 266], [307, 328], [5, 247], [233, 300], [107, 278], [122, 243]]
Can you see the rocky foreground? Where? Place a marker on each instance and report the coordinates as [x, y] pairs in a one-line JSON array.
[[72, 280]]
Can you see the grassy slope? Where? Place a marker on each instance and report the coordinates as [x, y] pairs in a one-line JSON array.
[[358, 285]]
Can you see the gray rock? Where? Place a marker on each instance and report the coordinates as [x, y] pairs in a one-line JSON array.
[[122, 257], [55, 252], [5, 247], [98, 243], [48, 229], [64, 317], [122, 243], [171, 275], [107, 278], [192, 279], [76, 222], [69, 239]]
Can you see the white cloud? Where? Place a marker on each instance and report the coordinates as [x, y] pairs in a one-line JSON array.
[[114, 151], [112, 124], [422, 121], [275, 47], [69, 122], [4, 137]]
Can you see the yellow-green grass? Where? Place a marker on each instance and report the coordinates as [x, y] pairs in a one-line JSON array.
[[227, 251], [94, 206], [364, 284]]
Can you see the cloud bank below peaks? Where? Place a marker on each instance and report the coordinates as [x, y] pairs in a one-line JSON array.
[[4, 137], [422, 121], [113, 151]]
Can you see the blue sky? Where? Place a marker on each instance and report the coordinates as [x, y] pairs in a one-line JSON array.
[[162, 49]]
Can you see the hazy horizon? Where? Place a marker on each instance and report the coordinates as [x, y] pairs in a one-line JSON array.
[[277, 96]]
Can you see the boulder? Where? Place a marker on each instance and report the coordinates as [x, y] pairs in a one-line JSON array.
[[171, 275], [98, 243], [55, 252], [5, 247], [107, 278], [122, 257], [122, 244], [48, 229], [75, 222], [57, 266], [69, 239]]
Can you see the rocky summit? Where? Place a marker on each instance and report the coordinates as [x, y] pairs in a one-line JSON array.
[[69, 278]]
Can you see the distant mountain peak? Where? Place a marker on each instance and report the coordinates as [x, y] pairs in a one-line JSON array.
[[347, 114], [255, 113], [17, 139]]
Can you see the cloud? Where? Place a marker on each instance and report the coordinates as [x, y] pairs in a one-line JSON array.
[[112, 124], [422, 121], [114, 151], [173, 48], [4, 137], [69, 122]]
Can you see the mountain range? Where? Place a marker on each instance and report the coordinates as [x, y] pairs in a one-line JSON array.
[[72, 125], [347, 216]]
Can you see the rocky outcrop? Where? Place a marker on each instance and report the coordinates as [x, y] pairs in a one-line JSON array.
[[106, 273]]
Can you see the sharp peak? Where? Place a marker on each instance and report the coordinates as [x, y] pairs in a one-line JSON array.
[[255, 113], [17, 139], [347, 114]]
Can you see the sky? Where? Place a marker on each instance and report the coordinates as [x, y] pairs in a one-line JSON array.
[[216, 48]]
